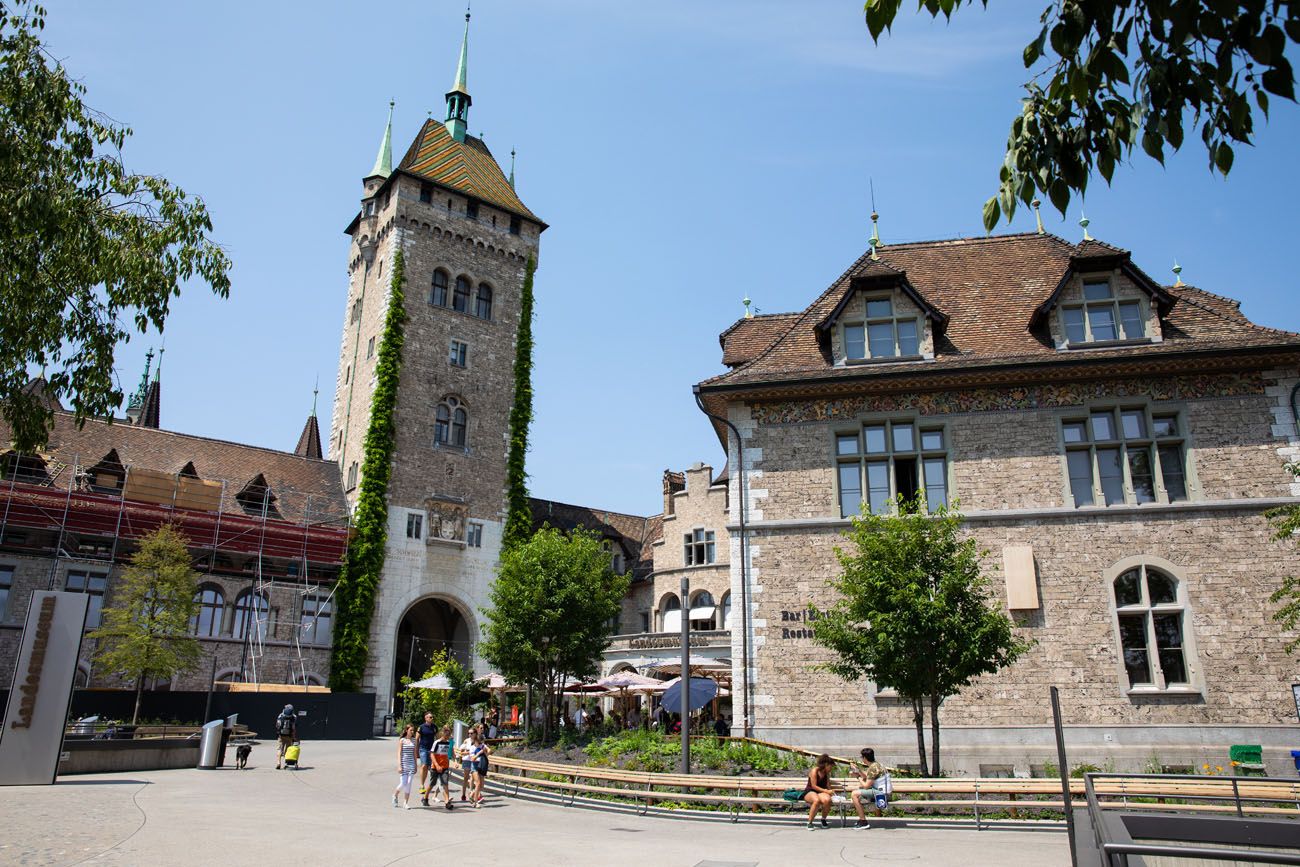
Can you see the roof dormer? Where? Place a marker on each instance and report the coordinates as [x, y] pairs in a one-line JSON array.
[[1102, 300], [881, 317]]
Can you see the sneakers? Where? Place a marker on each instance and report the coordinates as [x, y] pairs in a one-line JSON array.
[[861, 826], [825, 824], [408, 805], [449, 807], [394, 800], [812, 827]]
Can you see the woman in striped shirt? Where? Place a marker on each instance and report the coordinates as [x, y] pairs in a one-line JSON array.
[[405, 765]]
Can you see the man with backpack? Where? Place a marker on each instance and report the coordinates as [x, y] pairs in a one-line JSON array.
[[286, 730]]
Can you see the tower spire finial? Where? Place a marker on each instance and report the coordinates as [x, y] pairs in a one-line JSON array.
[[1178, 274], [1084, 221], [314, 392], [512, 168], [458, 100], [875, 218], [384, 159], [1038, 216]]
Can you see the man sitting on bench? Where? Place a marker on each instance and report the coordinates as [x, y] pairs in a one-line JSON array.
[[871, 786]]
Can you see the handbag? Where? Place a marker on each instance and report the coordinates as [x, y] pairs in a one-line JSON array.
[[792, 795]]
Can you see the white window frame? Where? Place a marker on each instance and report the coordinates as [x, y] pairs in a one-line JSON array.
[[1191, 659], [699, 547], [458, 353]]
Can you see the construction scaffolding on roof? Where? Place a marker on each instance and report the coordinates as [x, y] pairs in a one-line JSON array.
[[273, 536]]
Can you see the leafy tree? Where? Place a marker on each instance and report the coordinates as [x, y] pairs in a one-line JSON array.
[[1285, 521], [444, 704], [914, 612], [146, 631], [87, 249], [553, 606], [519, 517], [1111, 75]]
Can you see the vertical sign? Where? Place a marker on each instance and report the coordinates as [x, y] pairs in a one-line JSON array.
[[42, 688], [1295, 693]]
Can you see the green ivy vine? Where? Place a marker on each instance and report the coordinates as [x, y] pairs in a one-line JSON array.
[[519, 517], [354, 594]]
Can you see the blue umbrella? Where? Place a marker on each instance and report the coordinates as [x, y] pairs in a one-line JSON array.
[[701, 692]]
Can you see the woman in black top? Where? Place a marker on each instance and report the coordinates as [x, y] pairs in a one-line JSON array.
[[817, 790]]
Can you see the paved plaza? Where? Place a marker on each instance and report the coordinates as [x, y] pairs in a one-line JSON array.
[[336, 810]]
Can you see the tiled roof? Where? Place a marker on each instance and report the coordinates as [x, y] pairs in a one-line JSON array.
[[990, 289], [466, 166], [309, 440], [635, 533], [305, 489], [750, 336]]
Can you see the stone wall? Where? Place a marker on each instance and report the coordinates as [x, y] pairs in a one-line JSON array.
[[701, 506], [1007, 468]]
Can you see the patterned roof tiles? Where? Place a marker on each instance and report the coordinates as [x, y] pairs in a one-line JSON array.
[[467, 166]]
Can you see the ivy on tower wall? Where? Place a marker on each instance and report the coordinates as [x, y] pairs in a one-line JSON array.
[[519, 517], [354, 594]]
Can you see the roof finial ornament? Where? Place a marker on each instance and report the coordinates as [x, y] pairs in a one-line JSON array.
[[875, 218], [1178, 274], [458, 99], [512, 168], [749, 314], [315, 391], [1084, 222], [1038, 216], [157, 372], [384, 159]]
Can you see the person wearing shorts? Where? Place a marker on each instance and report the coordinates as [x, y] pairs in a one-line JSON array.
[[427, 734], [466, 753], [870, 786], [440, 755]]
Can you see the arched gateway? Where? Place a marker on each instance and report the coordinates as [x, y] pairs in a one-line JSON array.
[[427, 627]]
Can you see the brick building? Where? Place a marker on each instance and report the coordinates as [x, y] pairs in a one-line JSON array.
[[1113, 443], [267, 531]]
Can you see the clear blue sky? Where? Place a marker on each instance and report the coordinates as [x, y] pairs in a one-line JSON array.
[[685, 154]]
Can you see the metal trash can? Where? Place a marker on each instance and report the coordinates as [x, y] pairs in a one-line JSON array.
[[458, 729], [210, 745], [388, 724], [85, 726], [1295, 757]]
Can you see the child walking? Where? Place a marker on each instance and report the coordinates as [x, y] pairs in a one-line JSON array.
[[405, 765]]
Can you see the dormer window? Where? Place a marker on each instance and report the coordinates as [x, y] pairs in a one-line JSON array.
[[882, 333], [1102, 316]]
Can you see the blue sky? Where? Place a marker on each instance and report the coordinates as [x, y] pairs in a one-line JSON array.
[[685, 155]]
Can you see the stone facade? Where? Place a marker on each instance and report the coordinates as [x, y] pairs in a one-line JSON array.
[[457, 492], [702, 506]]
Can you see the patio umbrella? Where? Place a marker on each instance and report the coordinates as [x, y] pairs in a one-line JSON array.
[[438, 681], [700, 691], [623, 681]]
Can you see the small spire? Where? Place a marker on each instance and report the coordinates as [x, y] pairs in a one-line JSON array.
[[512, 168], [458, 99], [1038, 216], [157, 372], [384, 159], [875, 219], [314, 392], [1084, 221], [749, 314], [1178, 274]]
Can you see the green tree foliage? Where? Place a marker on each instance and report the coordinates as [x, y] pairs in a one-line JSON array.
[[1286, 526], [1112, 75], [519, 517], [552, 613], [88, 250], [914, 612], [146, 631], [444, 704], [354, 594]]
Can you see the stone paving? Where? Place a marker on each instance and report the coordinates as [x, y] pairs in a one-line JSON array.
[[336, 810]]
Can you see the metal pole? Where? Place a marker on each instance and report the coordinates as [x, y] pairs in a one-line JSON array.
[[685, 681], [1065, 774], [212, 684]]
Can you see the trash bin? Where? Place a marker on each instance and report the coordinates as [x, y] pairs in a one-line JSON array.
[[388, 724], [85, 726], [210, 745], [1295, 757], [226, 731]]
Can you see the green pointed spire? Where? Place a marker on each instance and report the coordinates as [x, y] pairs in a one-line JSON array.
[[512, 168], [384, 159], [458, 99]]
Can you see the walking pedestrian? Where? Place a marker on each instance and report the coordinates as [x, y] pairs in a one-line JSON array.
[[465, 752], [480, 752], [286, 731], [406, 745], [440, 774], [428, 734]]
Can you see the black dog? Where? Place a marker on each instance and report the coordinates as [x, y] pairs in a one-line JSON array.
[[242, 754]]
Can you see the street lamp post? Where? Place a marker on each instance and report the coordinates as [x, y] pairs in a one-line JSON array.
[[684, 682]]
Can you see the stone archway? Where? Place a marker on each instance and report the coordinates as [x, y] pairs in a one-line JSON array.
[[429, 625]]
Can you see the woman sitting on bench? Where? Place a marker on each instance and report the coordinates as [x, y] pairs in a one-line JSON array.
[[817, 790]]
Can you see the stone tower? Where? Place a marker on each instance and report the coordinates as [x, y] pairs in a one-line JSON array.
[[465, 238]]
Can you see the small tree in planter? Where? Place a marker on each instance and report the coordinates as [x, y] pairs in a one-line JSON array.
[[146, 631]]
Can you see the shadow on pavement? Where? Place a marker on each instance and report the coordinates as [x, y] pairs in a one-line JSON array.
[[63, 782]]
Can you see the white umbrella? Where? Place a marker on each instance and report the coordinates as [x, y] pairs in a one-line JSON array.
[[626, 680], [438, 681]]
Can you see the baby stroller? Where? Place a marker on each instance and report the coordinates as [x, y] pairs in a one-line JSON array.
[[291, 755]]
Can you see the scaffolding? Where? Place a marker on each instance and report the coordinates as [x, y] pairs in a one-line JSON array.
[[292, 540]]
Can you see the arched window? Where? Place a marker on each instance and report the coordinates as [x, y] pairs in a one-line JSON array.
[[252, 611], [206, 622], [460, 300], [438, 297], [726, 610], [704, 611], [1151, 618], [483, 306], [670, 614], [449, 423], [311, 678]]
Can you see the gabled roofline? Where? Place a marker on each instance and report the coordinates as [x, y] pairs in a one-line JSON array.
[[895, 280], [1122, 260]]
